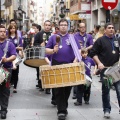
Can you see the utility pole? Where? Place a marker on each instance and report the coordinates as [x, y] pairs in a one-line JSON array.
[[107, 16]]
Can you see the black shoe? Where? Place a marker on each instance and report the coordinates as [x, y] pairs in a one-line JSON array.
[[86, 102], [3, 114], [47, 91], [74, 97], [77, 103], [14, 91], [37, 85], [53, 102], [41, 89], [61, 116], [107, 115]]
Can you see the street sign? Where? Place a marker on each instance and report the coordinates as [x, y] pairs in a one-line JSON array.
[[85, 16], [74, 17], [109, 4]]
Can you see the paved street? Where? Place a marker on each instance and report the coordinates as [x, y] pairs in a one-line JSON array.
[[31, 104]]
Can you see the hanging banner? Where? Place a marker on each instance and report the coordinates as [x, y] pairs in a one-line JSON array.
[[109, 4]]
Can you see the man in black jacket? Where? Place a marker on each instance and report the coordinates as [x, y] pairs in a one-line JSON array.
[[105, 52], [42, 37]]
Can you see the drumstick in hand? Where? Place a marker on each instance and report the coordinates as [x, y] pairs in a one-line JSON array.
[[44, 37], [57, 39]]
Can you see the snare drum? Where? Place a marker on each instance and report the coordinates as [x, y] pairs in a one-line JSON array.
[[4, 74], [18, 60], [62, 75], [113, 72], [34, 57]]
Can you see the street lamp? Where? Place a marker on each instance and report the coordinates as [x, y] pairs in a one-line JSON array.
[[62, 15]]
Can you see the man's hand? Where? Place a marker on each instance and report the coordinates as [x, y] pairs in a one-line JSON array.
[[4, 59], [100, 66], [56, 48]]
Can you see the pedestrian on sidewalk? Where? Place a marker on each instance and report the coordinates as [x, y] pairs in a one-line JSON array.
[[105, 52], [6, 58]]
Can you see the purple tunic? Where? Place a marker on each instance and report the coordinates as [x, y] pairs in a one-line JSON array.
[[64, 54], [11, 51], [16, 42], [89, 62], [81, 39]]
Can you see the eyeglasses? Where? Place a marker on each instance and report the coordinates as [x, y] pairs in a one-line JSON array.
[[110, 27], [63, 25]]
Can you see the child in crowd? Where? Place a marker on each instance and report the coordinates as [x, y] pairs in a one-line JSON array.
[[84, 90]]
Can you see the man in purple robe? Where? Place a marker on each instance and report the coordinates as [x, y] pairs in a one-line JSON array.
[[7, 55], [62, 53]]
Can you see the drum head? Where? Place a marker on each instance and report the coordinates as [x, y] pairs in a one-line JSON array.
[[35, 62]]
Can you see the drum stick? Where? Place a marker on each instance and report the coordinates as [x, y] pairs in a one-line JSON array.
[[44, 37], [1, 59], [57, 39]]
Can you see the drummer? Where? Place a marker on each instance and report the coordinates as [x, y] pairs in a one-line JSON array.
[[61, 54], [84, 90], [105, 52], [41, 36], [17, 41], [7, 63]]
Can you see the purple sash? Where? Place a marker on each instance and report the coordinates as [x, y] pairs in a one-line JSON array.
[[75, 47]]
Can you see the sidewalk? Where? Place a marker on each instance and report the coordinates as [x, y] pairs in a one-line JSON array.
[[31, 104]]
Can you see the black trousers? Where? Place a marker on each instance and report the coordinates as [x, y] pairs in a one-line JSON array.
[[4, 94], [39, 80], [82, 90], [61, 95], [14, 77]]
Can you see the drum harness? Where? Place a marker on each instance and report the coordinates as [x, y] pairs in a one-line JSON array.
[[1, 65]]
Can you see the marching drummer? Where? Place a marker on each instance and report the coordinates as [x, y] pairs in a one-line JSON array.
[[17, 41], [42, 38], [105, 52], [7, 63], [84, 90], [62, 53]]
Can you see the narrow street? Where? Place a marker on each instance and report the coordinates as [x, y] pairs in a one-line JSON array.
[[31, 104]]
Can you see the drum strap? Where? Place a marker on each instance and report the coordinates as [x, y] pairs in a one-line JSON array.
[[6, 48], [85, 42], [75, 47], [18, 41]]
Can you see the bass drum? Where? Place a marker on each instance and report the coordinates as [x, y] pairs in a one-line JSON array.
[[34, 57]]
